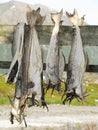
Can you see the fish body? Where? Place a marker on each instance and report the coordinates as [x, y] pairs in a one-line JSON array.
[[28, 68], [14, 71], [55, 58], [76, 65], [32, 59], [17, 54], [35, 64]]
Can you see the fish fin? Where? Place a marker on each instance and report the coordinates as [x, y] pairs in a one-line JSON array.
[[11, 118], [11, 102], [86, 58], [56, 17], [81, 20], [12, 73], [28, 9]]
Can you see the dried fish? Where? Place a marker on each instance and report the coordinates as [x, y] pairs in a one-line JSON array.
[[18, 53], [55, 59], [76, 65], [26, 67]]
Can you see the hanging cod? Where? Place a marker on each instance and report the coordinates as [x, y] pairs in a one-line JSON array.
[[26, 67], [35, 66], [14, 72], [77, 63], [16, 62], [55, 59], [32, 59]]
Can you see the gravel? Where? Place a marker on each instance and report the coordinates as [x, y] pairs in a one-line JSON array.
[[59, 117]]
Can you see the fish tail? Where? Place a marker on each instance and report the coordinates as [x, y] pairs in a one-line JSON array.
[[28, 9], [32, 16], [35, 13], [40, 20], [56, 17], [76, 16], [73, 17]]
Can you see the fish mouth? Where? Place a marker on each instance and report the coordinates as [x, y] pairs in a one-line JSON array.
[[35, 102], [19, 114], [20, 117], [71, 94], [56, 87]]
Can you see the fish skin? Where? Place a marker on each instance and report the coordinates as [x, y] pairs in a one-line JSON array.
[[54, 68], [32, 76], [17, 55], [30, 83], [16, 38], [35, 65], [33, 57], [76, 69], [77, 63], [14, 71]]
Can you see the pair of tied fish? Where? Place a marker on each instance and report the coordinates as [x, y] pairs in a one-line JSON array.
[[26, 66], [77, 60]]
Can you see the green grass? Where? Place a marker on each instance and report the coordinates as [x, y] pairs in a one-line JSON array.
[[4, 100], [92, 95], [92, 90], [5, 89], [55, 98]]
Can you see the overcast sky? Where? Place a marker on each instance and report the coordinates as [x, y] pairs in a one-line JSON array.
[[87, 7]]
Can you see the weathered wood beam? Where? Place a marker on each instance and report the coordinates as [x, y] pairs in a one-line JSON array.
[[90, 68], [5, 64], [6, 34], [89, 34]]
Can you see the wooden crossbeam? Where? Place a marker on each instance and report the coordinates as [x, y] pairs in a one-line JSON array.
[[90, 68], [89, 34]]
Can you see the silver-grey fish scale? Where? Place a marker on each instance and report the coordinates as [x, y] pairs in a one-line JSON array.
[[76, 64]]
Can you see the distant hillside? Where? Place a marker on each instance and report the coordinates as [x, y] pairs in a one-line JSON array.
[[14, 12]]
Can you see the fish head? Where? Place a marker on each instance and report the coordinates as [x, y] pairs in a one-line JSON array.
[[15, 111]]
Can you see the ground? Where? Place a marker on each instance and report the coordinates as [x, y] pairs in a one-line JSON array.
[[59, 117]]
